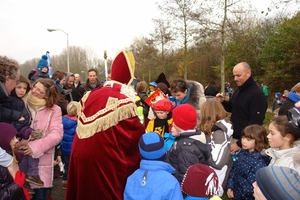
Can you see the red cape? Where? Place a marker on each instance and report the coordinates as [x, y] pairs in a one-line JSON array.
[[100, 163]]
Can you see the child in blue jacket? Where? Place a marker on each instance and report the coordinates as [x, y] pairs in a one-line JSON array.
[[153, 180], [70, 124]]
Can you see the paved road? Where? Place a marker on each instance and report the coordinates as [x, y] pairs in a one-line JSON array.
[[57, 193]]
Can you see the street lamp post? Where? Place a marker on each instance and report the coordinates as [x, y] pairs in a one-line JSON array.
[[53, 29], [105, 64]]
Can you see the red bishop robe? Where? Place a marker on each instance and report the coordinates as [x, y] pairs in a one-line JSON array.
[[105, 147]]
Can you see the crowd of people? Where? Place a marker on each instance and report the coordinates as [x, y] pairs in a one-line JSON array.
[[122, 138]]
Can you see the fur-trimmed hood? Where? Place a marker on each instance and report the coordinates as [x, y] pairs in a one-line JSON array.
[[197, 97]]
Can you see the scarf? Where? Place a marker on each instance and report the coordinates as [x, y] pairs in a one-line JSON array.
[[35, 102], [185, 99]]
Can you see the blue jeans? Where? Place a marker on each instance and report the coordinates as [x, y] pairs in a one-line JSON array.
[[41, 194], [66, 159]]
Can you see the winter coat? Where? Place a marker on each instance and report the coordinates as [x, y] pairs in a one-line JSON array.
[[68, 97], [75, 92], [242, 173], [13, 110], [5, 159], [289, 103], [159, 182], [160, 126], [35, 74], [277, 103], [9, 190], [88, 87], [50, 121], [248, 105], [3, 96], [70, 125], [220, 152], [146, 107], [186, 151], [285, 158]]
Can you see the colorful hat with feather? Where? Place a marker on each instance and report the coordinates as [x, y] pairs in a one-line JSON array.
[[122, 68]]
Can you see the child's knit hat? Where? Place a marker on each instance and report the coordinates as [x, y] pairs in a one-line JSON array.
[[200, 181], [43, 63], [163, 105], [7, 133], [152, 147], [276, 182], [278, 94], [154, 84], [185, 116]]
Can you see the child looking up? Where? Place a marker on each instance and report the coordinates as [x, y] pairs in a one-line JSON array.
[[70, 124], [248, 161], [163, 120], [282, 136], [153, 180], [217, 129], [188, 148]]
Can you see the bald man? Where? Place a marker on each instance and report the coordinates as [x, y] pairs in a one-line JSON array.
[[75, 93], [248, 104]]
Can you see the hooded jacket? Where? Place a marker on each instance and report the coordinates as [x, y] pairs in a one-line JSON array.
[[286, 158], [159, 183], [70, 125], [220, 153], [186, 151], [15, 108]]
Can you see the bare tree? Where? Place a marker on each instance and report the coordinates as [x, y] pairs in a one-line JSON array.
[[179, 13], [162, 35]]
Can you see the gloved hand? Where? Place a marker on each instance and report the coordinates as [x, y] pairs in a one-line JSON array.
[[20, 178]]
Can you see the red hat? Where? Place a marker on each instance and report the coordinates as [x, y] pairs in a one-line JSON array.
[[200, 181], [185, 117], [122, 68], [163, 105]]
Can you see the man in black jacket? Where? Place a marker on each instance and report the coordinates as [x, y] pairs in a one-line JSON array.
[[248, 104]]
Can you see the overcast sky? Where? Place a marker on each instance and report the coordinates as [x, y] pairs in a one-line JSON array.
[[99, 25]]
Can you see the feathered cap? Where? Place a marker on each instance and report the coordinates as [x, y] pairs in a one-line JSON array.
[[122, 68]]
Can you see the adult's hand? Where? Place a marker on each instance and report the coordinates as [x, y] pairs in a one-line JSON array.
[[234, 148], [13, 168], [27, 150], [220, 97]]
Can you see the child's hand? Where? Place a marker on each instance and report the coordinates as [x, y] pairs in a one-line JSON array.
[[22, 119], [57, 160], [230, 193]]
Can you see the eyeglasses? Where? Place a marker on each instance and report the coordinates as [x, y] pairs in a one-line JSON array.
[[38, 90]]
